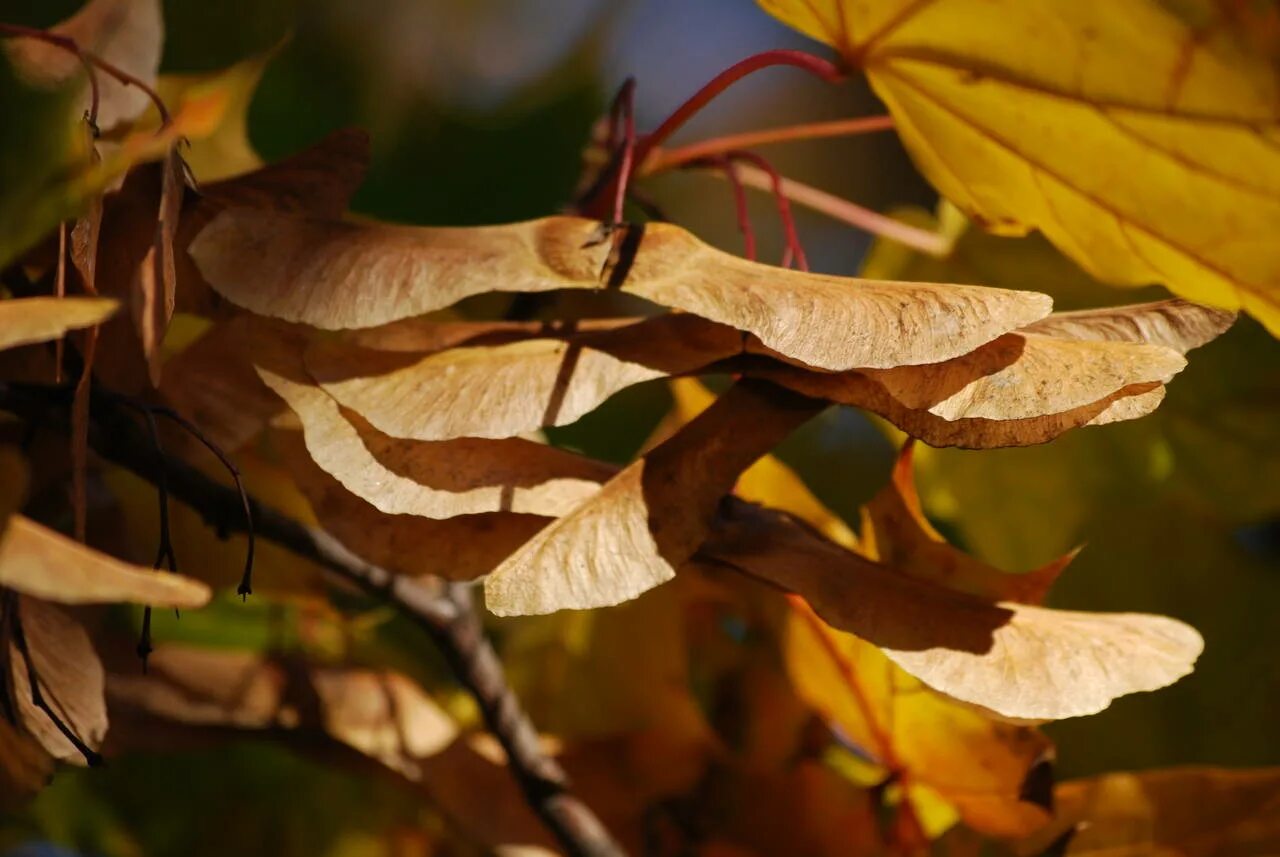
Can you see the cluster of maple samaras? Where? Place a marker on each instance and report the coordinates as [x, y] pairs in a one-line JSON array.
[[428, 422]]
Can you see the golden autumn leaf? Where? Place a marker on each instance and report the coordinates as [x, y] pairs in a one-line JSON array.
[[311, 270], [28, 320], [1138, 136], [1174, 812], [649, 519], [896, 533], [39, 562], [497, 391], [1018, 661], [923, 740], [433, 479], [226, 150]]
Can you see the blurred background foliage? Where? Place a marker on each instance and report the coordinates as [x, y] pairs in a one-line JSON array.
[[478, 111]]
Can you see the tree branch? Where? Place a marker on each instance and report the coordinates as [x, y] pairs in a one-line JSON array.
[[444, 610]]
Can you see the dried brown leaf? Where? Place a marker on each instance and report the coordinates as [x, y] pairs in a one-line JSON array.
[[155, 282], [71, 679]]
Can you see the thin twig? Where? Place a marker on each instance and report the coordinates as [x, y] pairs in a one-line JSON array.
[[794, 249], [151, 411], [851, 213], [164, 552], [443, 610], [660, 160], [730, 169]]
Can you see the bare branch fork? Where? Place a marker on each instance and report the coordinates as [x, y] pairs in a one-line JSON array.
[[444, 610]]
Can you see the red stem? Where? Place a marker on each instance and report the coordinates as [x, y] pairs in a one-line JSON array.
[[90, 61], [624, 108], [821, 68], [740, 205], [794, 249]]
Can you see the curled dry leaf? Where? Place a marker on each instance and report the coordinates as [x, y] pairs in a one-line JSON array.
[[128, 34], [897, 533], [318, 180], [650, 518], [1017, 661], [27, 320], [433, 479], [341, 275], [70, 676], [155, 281], [37, 561], [503, 390], [462, 547], [1183, 811], [1138, 136]]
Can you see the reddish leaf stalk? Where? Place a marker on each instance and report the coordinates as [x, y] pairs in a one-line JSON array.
[[848, 212], [794, 250], [91, 63], [623, 110], [730, 170], [823, 69]]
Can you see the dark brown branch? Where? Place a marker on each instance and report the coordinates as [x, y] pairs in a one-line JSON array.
[[443, 610]]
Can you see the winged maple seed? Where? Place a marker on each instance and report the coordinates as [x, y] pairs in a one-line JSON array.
[[306, 270], [954, 365]]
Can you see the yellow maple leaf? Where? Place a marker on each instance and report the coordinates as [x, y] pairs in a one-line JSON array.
[[1140, 138]]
